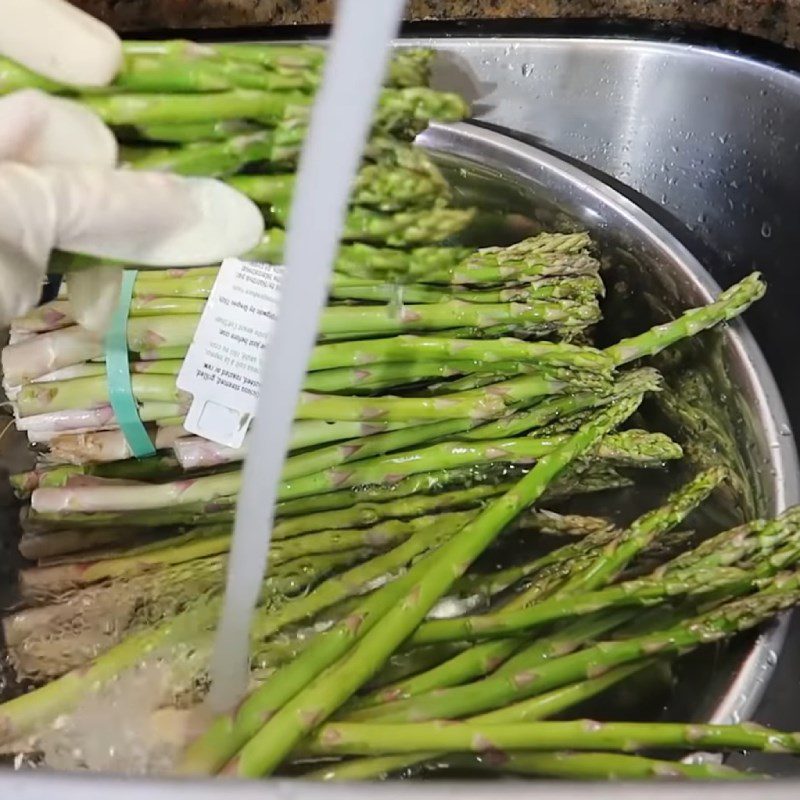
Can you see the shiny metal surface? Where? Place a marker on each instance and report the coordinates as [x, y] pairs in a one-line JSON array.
[[95, 787], [708, 137]]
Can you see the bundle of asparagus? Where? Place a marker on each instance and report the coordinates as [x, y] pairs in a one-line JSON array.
[[431, 594]]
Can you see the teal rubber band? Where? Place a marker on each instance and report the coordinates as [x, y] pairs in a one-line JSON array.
[[118, 374]]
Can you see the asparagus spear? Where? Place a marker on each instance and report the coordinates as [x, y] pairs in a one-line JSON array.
[[214, 540], [69, 500], [534, 709], [582, 288], [594, 478], [572, 766], [491, 656], [209, 159], [152, 290], [60, 348], [411, 348], [194, 132], [399, 229], [26, 713], [358, 739], [454, 313], [499, 690], [485, 658], [427, 582], [628, 446], [555, 408], [610, 767], [367, 261], [42, 398], [641, 592], [642, 532], [731, 303], [378, 187], [401, 112]]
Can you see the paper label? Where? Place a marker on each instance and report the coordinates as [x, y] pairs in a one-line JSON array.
[[222, 369]]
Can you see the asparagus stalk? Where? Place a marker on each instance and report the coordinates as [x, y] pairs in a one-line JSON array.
[[384, 377], [194, 132], [367, 261], [26, 713], [108, 446], [44, 398], [218, 507], [731, 303], [571, 766], [44, 427], [401, 112], [454, 313], [412, 348], [400, 229], [195, 68], [475, 404], [195, 453], [628, 447], [625, 446], [583, 288], [359, 739], [206, 753], [498, 690], [534, 709], [485, 658], [214, 540], [366, 514], [209, 159], [53, 350], [642, 592], [379, 187], [427, 582], [154, 468], [559, 407], [612, 767], [643, 531], [594, 478]]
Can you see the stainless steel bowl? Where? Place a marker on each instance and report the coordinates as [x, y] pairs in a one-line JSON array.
[[546, 189], [503, 171]]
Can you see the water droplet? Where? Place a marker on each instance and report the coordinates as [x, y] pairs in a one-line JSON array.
[[527, 70], [766, 230]]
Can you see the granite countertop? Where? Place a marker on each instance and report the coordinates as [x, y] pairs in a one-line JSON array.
[[777, 20]]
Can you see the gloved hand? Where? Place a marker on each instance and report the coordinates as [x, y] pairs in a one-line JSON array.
[[59, 187]]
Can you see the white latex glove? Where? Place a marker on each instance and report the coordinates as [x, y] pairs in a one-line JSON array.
[[59, 187]]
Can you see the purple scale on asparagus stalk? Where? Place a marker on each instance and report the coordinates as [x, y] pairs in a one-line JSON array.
[[525, 678], [409, 315], [496, 452], [153, 339], [338, 477], [481, 744], [372, 413], [353, 622]]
